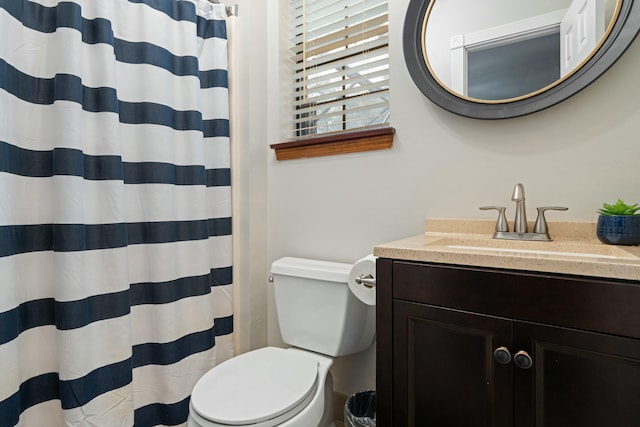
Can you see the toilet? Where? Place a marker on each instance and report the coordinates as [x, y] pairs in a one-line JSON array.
[[321, 319]]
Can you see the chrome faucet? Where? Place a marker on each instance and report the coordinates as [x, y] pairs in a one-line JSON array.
[[520, 222], [520, 225]]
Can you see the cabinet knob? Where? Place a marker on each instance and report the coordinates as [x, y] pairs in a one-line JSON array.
[[522, 360], [502, 355]]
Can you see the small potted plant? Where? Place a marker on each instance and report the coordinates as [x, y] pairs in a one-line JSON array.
[[619, 224]]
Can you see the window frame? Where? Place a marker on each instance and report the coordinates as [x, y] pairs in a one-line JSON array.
[[349, 139]]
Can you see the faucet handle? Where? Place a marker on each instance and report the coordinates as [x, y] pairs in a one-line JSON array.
[[541, 222], [501, 224]]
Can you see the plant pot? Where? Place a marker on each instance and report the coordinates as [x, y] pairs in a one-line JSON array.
[[619, 229]]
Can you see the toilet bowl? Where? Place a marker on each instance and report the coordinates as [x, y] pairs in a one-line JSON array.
[[320, 317], [267, 387]]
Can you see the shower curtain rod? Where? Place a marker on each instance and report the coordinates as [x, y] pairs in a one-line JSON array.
[[231, 10]]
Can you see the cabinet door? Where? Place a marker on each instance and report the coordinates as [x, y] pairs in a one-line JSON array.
[[444, 368], [578, 378]]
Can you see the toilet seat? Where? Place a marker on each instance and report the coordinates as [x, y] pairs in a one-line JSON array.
[[261, 388]]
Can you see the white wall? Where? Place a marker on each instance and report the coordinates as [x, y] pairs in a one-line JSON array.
[[579, 154], [249, 177]]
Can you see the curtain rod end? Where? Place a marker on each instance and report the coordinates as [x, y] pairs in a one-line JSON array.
[[232, 10]]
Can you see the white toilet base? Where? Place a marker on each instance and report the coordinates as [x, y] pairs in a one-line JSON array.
[[319, 411]]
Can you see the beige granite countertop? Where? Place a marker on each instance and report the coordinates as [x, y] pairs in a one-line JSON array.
[[575, 249]]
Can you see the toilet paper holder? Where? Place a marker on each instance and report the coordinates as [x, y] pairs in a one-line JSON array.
[[366, 279]]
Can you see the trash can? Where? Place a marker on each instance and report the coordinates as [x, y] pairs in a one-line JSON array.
[[360, 409]]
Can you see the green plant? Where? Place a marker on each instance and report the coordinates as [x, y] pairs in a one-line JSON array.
[[619, 208]]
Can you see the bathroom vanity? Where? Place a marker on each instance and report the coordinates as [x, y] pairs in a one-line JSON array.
[[476, 332]]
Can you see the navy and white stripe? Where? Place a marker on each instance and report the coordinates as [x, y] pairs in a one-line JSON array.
[[115, 209]]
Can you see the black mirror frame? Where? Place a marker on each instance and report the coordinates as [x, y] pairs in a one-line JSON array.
[[620, 38]]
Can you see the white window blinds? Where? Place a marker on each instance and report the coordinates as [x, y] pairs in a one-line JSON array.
[[341, 65]]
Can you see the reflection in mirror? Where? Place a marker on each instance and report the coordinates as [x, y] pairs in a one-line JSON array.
[[502, 50]]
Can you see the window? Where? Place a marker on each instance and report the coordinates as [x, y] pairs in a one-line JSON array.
[[340, 63]]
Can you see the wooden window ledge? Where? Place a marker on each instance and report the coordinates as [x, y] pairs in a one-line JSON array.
[[337, 143]]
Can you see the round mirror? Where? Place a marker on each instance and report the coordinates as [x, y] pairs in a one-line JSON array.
[[506, 58]]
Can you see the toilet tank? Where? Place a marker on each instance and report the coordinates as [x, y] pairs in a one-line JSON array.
[[316, 309]]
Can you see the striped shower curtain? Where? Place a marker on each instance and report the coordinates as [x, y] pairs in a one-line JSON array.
[[115, 209]]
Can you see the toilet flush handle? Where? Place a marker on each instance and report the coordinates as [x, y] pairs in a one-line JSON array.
[[366, 279]]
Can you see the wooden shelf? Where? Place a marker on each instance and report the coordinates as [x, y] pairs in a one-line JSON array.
[[336, 143]]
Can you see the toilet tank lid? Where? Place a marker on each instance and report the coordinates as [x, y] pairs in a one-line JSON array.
[[312, 269]]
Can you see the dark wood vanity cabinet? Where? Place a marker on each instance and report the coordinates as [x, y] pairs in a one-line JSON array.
[[480, 347]]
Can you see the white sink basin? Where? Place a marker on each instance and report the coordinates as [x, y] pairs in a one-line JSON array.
[[546, 249]]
